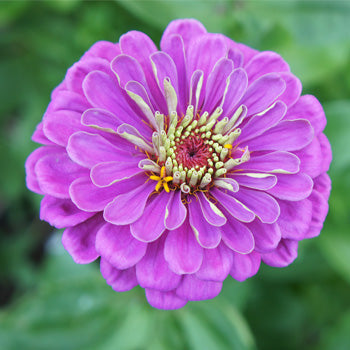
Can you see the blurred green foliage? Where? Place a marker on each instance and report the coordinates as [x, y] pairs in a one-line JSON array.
[[51, 303]]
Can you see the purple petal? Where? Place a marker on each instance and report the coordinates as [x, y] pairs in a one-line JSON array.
[[182, 251], [119, 280], [263, 92], [291, 135], [216, 84], [264, 206], [39, 136], [236, 56], [188, 29], [308, 107], [56, 172], [153, 271], [80, 240], [233, 206], [198, 58], [164, 300], [77, 73], [69, 101], [236, 89], [263, 63], [103, 49], [174, 47], [216, 264], [245, 266], [105, 174], [192, 288], [176, 211], [210, 211], [88, 150], [128, 69], [62, 213], [266, 236], [60, 125], [326, 152], [128, 207], [32, 160], [237, 236], [100, 119], [295, 218], [208, 236], [140, 46], [283, 255], [319, 213], [255, 181], [151, 225], [274, 162], [258, 124], [196, 90], [293, 89], [322, 184], [86, 196], [116, 245], [292, 187]]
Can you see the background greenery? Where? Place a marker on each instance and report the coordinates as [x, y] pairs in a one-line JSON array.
[[48, 302]]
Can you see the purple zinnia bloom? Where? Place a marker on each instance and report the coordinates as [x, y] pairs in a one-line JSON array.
[[182, 166]]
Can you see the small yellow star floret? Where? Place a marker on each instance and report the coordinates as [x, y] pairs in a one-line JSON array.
[[162, 180]]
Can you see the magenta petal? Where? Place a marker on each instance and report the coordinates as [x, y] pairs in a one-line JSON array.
[[322, 184], [32, 160], [319, 213], [128, 207], [233, 206], [118, 246], [88, 150], [237, 236], [263, 63], [311, 158], [60, 125], [283, 255], [198, 59], [128, 69], [293, 89], [245, 266], [216, 264], [236, 56], [274, 162], [80, 240], [86, 196], [62, 213], [188, 29], [289, 135], [236, 89], [119, 280], [164, 300], [258, 124], [210, 211], [151, 225], [103, 49], [326, 152], [100, 119], [176, 211], [105, 174], [295, 218], [253, 181], [308, 107], [39, 136], [264, 206], [266, 236], [182, 251], [192, 288], [263, 92], [153, 271], [216, 84], [77, 73], [208, 236], [292, 187], [68, 101], [56, 172]]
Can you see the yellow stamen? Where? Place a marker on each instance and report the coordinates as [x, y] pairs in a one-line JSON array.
[[162, 180], [166, 186], [158, 185], [228, 146], [155, 177], [168, 178]]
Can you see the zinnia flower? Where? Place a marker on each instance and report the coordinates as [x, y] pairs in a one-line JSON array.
[[182, 166]]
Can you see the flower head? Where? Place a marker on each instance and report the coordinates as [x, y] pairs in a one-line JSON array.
[[182, 166]]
